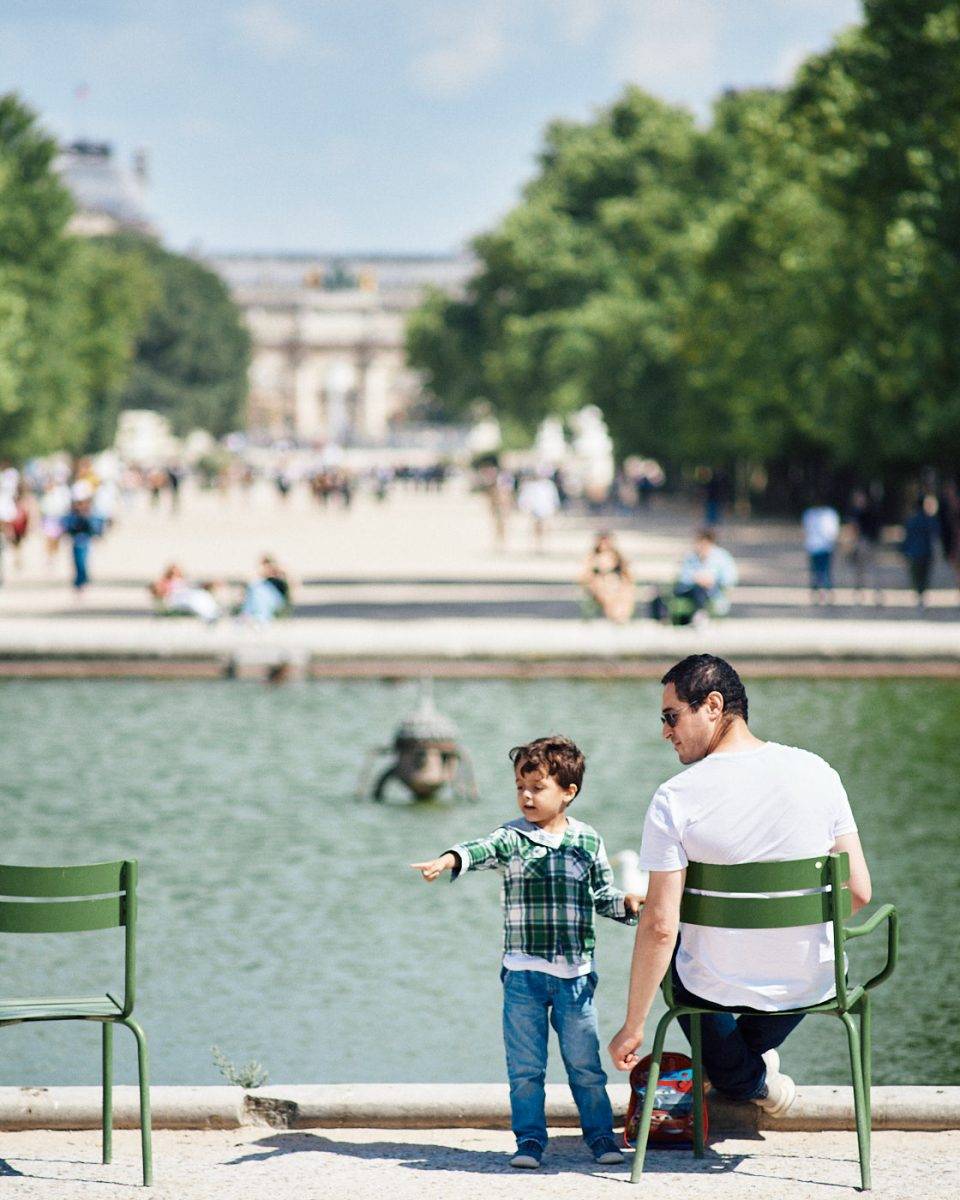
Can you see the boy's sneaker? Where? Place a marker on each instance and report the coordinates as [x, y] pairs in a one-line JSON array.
[[528, 1155], [779, 1090], [606, 1152]]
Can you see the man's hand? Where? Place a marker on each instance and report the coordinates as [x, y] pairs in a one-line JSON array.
[[624, 1046], [632, 903], [432, 870]]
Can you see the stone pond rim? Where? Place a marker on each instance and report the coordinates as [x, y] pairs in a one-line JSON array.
[[439, 1106]]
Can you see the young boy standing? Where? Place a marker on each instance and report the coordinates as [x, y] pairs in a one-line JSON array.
[[555, 878]]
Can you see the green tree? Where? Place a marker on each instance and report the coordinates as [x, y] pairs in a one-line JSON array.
[[881, 112], [115, 290], [192, 356], [780, 289], [69, 309], [42, 401], [579, 290]]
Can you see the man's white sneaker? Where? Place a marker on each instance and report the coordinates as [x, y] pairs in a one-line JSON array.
[[779, 1090]]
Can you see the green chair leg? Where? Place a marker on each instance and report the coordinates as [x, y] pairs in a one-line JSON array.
[[143, 1070], [107, 1091], [696, 1053], [643, 1129], [866, 1060], [859, 1103]]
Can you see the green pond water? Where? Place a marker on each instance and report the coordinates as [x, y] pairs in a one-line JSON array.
[[279, 918]]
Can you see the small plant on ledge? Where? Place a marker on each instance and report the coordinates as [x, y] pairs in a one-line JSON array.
[[246, 1075]]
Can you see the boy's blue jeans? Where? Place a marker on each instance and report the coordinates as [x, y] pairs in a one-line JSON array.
[[533, 1000]]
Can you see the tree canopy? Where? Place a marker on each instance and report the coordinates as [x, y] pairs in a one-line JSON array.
[[88, 326], [192, 355], [778, 289]]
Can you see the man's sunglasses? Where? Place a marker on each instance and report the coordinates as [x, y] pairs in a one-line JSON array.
[[670, 716]]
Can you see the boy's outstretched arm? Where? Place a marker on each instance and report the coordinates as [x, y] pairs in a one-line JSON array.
[[435, 867], [485, 852]]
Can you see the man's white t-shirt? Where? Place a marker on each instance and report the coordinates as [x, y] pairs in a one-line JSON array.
[[770, 804]]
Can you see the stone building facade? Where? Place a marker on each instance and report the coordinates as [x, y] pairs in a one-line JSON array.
[[328, 362]]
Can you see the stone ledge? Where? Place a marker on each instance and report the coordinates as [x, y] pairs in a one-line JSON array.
[[79, 1107], [439, 1106]]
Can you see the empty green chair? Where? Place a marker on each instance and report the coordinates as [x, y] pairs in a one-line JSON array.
[[743, 901], [71, 900]]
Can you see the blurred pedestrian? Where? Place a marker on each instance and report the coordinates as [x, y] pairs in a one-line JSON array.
[[540, 499], [714, 496], [174, 475], [18, 525], [921, 531], [821, 529], [283, 480], [864, 528], [54, 507], [949, 516], [81, 526]]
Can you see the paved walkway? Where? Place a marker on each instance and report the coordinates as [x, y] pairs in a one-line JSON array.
[[421, 574], [364, 1164]]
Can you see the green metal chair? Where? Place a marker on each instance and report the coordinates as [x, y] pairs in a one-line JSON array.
[[72, 900], [741, 909]]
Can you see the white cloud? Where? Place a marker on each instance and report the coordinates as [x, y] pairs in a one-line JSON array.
[[465, 46], [266, 29]]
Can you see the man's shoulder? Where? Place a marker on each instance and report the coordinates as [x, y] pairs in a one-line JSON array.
[[775, 756], [797, 756]]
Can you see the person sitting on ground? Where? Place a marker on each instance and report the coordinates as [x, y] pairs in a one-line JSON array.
[[174, 596], [706, 574], [556, 878], [741, 800], [269, 595], [608, 582]]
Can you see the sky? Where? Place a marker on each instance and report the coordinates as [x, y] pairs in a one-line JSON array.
[[351, 126]]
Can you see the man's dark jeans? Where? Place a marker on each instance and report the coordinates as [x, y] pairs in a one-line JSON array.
[[732, 1045]]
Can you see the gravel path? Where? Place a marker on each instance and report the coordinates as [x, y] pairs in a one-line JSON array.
[[364, 1164]]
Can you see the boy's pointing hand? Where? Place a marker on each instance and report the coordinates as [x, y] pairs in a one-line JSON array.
[[632, 903], [432, 870]]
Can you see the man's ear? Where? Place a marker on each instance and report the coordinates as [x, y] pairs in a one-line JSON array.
[[714, 703]]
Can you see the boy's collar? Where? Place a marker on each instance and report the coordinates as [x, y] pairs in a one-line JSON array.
[[538, 835]]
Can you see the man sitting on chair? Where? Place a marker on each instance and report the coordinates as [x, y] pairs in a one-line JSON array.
[[741, 800]]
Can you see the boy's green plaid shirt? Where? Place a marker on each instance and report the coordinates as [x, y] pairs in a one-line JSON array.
[[549, 893]]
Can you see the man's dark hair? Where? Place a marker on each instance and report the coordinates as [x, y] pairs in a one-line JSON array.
[[700, 674], [561, 758]]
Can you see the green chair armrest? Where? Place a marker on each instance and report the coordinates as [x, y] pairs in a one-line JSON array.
[[886, 912]]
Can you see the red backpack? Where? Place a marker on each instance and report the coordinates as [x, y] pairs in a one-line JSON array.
[[672, 1120]]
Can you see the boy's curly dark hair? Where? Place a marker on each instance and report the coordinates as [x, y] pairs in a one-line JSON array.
[[561, 758]]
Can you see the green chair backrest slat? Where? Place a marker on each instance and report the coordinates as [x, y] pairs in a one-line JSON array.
[[62, 916], [747, 912], [49, 882], [766, 876]]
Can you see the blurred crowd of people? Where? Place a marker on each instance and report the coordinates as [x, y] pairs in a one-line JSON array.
[[858, 536]]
